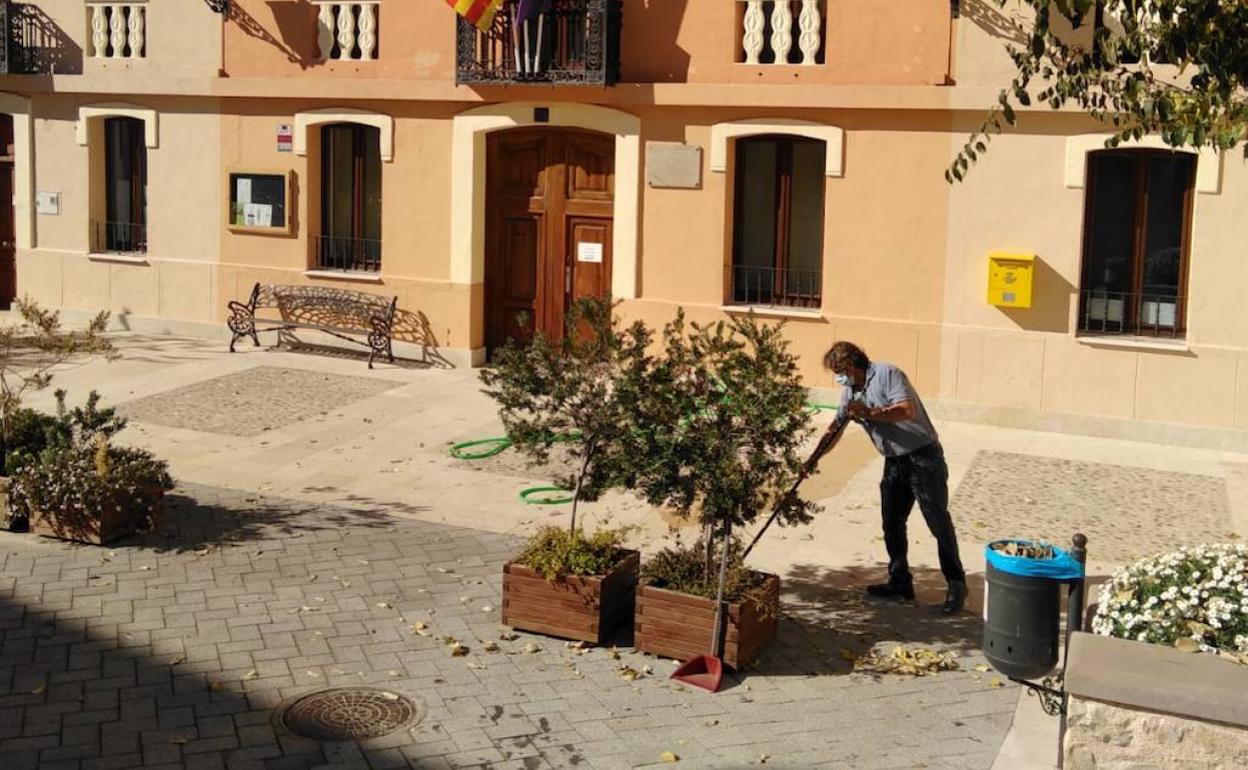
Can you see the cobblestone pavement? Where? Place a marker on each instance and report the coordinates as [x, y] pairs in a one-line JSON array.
[[1052, 498], [175, 649], [254, 400]]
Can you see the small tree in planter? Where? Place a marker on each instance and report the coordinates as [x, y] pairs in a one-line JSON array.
[[29, 350], [83, 488], [584, 386], [724, 417]]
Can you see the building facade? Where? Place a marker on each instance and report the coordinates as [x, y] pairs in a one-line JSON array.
[[716, 155]]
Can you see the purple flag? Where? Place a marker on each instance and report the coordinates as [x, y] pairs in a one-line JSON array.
[[527, 10]]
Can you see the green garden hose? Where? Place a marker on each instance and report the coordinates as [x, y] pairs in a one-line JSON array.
[[526, 496], [498, 444]]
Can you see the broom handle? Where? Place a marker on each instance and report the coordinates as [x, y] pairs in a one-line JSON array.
[[719, 598], [780, 506]]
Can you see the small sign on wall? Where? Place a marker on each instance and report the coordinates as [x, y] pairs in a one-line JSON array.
[[589, 252], [673, 165], [285, 138], [48, 203]]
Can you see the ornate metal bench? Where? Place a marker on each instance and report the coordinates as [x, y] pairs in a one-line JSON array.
[[338, 312]]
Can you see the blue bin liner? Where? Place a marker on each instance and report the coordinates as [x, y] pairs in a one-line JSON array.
[[1062, 566]]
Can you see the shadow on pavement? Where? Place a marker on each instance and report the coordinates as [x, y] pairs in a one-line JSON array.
[[193, 522], [827, 622]]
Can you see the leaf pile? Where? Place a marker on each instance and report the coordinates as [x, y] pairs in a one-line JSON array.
[[909, 662]]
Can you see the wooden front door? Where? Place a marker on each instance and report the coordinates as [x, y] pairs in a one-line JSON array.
[[8, 221], [550, 195]]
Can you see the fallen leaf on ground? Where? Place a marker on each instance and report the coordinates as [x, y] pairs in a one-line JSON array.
[[982, 668], [509, 636], [532, 648], [629, 674], [490, 647], [384, 605], [647, 670], [178, 740], [1186, 644], [487, 608], [668, 756], [250, 675], [996, 683], [458, 650], [39, 689], [177, 660], [762, 759], [216, 686]]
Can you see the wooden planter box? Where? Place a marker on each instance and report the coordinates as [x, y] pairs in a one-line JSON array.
[[676, 625], [115, 522], [587, 608]]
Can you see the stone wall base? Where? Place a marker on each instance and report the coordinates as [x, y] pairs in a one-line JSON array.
[[1107, 736]]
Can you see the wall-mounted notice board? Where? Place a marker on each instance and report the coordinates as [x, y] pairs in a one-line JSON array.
[[258, 202]]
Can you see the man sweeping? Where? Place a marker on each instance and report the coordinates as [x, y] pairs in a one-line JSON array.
[[880, 398]]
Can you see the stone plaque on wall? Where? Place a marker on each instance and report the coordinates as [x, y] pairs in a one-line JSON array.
[[674, 165]]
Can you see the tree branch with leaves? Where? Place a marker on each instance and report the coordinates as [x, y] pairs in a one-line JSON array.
[[1171, 68], [32, 349]]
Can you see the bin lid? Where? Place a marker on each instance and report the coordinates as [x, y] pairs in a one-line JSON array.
[[1062, 566]]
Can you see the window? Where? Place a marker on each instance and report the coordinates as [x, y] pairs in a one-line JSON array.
[[1138, 217], [124, 228], [777, 254], [350, 237]]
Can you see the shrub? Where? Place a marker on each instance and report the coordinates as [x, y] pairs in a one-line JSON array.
[[684, 569], [554, 552], [74, 471], [1195, 599]]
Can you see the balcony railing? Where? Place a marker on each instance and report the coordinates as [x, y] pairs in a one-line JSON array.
[[1145, 314], [118, 30], [575, 42], [782, 32], [119, 238], [361, 255], [347, 30], [775, 286]]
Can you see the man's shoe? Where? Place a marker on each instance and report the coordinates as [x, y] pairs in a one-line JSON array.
[[904, 593], [955, 599]]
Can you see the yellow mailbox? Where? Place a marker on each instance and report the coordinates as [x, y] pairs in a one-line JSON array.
[[1010, 279]]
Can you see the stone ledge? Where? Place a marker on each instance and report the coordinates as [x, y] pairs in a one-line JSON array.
[[1154, 678]]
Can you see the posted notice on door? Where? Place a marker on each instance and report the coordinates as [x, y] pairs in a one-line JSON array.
[[589, 252]]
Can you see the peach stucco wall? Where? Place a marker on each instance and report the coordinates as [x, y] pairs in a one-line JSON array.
[[694, 41]]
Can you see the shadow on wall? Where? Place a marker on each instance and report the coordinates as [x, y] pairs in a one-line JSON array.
[[986, 15], [1050, 302], [652, 26], [414, 327], [42, 46], [294, 20]]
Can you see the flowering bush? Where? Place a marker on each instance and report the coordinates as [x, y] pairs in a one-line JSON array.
[[89, 478], [1195, 599]]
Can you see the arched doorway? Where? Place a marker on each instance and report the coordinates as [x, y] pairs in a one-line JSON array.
[[548, 227]]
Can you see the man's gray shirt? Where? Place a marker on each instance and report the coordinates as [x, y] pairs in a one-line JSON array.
[[887, 385]]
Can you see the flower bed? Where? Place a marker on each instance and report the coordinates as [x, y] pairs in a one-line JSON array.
[[1194, 599]]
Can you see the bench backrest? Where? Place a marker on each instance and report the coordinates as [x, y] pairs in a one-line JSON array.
[[324, 306]]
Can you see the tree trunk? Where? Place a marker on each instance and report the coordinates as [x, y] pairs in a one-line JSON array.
[[580, 480]]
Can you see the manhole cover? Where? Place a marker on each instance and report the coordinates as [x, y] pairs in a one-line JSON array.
[[349, 714]]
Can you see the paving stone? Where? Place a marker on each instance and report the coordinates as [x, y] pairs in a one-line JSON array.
[[189, 698]]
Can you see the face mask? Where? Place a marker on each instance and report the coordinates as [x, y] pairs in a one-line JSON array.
[[844, 381]]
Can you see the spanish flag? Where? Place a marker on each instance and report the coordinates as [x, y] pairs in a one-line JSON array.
[[479, 13]]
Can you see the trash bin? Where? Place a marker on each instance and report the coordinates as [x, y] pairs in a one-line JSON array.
[[1022, 609]]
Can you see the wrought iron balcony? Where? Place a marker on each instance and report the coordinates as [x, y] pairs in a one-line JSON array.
[[575, 42], [33, 43]]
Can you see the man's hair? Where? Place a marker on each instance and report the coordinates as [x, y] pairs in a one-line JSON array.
[[842, 355]]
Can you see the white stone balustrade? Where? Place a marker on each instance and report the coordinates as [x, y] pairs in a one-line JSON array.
[[346, 30], [118, 30], [765, 43]]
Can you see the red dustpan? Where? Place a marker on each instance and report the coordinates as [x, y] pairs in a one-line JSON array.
[[707, 671]]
